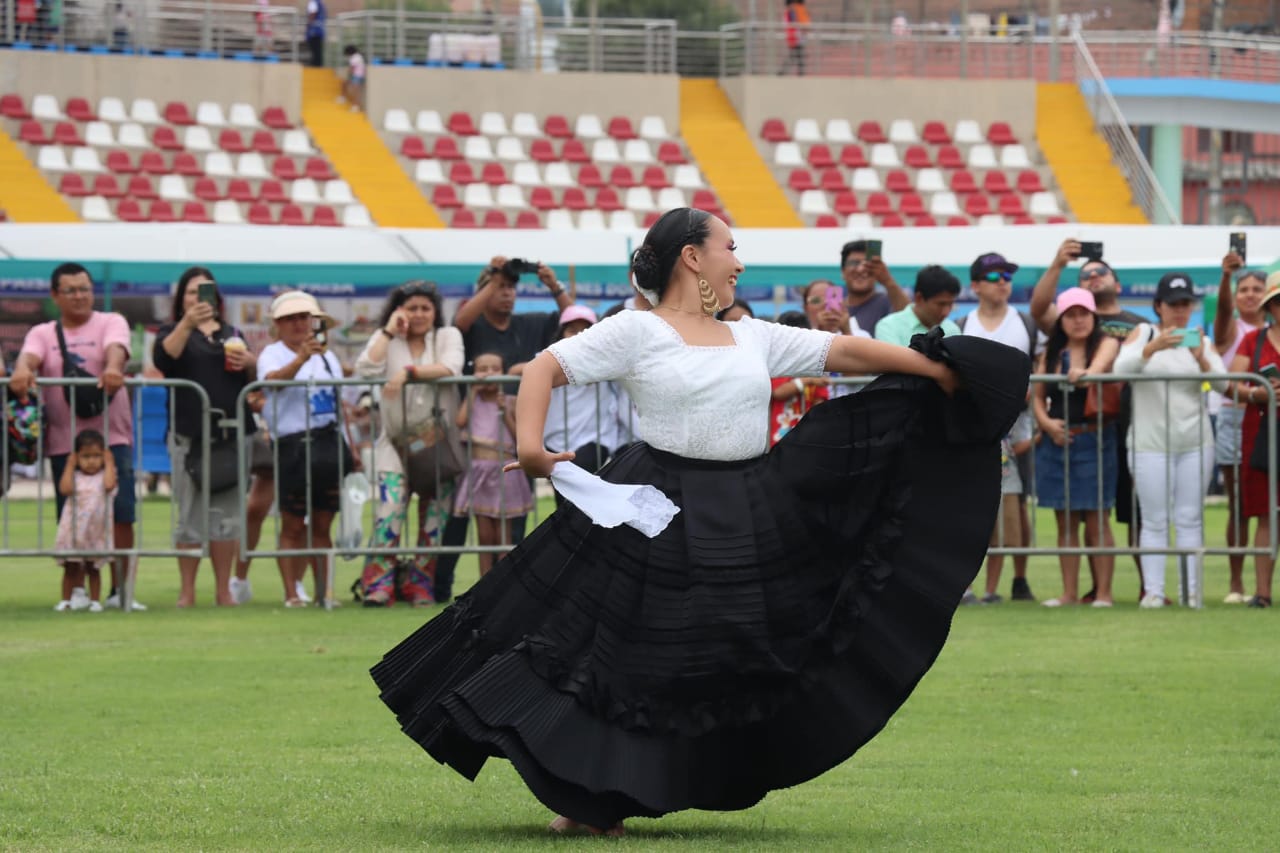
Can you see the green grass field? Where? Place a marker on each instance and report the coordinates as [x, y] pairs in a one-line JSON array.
[[258, 729]]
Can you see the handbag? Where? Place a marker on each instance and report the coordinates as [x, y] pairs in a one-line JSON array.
[[224, 460], [431, 455], [1103, 398], [88, 402]]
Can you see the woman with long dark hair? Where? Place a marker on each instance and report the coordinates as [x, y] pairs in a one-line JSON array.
[[749, 617], [201, 346], [1076, 456], [411, 346]]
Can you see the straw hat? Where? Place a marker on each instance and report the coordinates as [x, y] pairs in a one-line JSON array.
[[297, 302]]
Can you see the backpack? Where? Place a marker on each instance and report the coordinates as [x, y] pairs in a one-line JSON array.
[[1032, 332]]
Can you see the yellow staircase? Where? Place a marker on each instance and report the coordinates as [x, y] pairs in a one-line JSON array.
[[360, 158], [724, 150], [1094, 187], [24, 193]]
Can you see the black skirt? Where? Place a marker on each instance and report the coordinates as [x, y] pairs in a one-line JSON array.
[[769, 632]]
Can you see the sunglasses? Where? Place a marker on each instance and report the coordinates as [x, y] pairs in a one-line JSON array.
[[418, 288], [1094, 272], [998, 276]]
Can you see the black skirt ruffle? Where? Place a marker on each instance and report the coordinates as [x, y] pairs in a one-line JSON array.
[[770, 631]]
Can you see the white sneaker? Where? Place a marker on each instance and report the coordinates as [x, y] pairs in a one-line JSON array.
[[1151, 601], [95, 606], [301, 592], [79, 599], [241, 592], [62, 606], [113, 602], [1235, 598]]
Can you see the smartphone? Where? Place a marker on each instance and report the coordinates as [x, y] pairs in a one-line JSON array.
[[1190, 338], [1270, 371], [317, 330], [873, 249], [835, 299], [1091, 251], [207, 292], [1238, 244]]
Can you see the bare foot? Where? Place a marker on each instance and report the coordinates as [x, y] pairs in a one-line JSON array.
[[564, 826], [184, 601]]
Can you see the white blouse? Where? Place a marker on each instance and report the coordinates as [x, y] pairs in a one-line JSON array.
[[701, 402], [1169, 416]]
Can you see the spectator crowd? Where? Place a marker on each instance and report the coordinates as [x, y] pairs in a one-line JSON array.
[[438, 421]]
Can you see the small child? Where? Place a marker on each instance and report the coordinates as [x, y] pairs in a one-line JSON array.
[[486, 491], [89, 484], [353, 88]]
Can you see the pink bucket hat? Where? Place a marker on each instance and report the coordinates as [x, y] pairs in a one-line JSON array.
[[1073, 296], [577, 312]]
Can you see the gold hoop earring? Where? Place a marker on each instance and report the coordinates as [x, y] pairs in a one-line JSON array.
[[710, 302]]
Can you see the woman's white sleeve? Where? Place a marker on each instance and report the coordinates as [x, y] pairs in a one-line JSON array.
[[451, 351], [791, 351], [1216, 365], [1130, 359], [366, 367], [605, 351]]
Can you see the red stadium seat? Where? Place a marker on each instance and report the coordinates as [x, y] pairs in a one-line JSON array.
[[260, 214], [622, 177], [495, 219], [1010, 204], [541, 151], [852, 157], [460, 124], [291, 214], [958, 222], [949, 157], [773, 130], [446, 197], [892, 220], [32, 133], [1057, 220], [12, 106], [166, 139], [414, 148], [801, 180], [239, 190], [977, 204], [655, 178], [607, 200], [589, 176], [704, 200], [917, 157], [925, 221], [162, 211], [461, 173], [871, 132], [832, 180], [878, 204], [264, 142], [107, 186], [446, 148], [285, 169], [845, 203], [194, 211], [620, 128], [207, 189], [574, 199], [671, 154], [130, 211], [528, 219], [962, 182], [275, 118], [557, 127], [897, 181], [650, 218], [324, 216], [827, 221], [574, 152], [996, 183], [820, 157], [176, 112], [318, 169], [1023, 220], [493, 174], [72, 184], [80, 110], [1029, 182], [140, 187], [541, 198], [463, 219], [1001, 134], [231, 141], [66, 133], [272, 192], [153, 163], [935, 133], [187, 165], [910, 204]]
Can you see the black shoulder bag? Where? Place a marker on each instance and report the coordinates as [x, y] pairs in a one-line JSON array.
[[87, 402]]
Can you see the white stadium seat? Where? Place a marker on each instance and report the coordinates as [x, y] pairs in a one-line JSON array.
[[477, 148], [338, 192], [814, 202], [787, 154], [218, 165], [429, 172], [227, 212], [251, 165], [806, 130], [304, 191], [557, 175], [525, 124], [428, 121], [1044, 204], [198, 138], [884, 155], [174, 188], [606, 151], [559, 220], [930, 181], [396, 121], [591, 220], [588, 127], [687, 177], [866, 180], [45, 108], [944, 204], [96, 209], [1014, 157], [296, 143], [112, 110], [97, 134], [144, 111], [51, 158], [967, 132], [477, 195], [622, 220], [653, 127], [356, 216], [511, 149], [510, 196], [902, 131], [526, 175], [209, 114], [493, 124], [982, 156], [839, 131], [637, 151], [85, 160], [132, 135], [243, 115]]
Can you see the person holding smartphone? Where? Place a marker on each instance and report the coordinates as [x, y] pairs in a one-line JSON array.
[[1171, 440], [1259, 352], [862, 267], [199, 346]]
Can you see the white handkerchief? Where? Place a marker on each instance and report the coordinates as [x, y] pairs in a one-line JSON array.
[[609, 504]]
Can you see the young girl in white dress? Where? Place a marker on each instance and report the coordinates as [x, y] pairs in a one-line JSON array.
[[89, 484]]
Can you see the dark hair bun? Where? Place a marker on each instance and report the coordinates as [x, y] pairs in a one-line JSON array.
[[645, 263]]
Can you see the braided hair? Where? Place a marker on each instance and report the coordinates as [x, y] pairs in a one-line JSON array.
[[653, 262]]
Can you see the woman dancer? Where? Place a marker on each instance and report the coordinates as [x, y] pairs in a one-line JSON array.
[[786, 610]]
